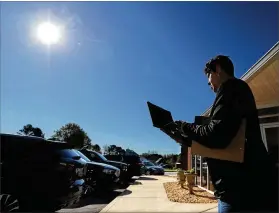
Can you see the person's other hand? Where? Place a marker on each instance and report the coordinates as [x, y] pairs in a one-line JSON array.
[[171, 127], [173, 136], [173, 130], [179, 124]]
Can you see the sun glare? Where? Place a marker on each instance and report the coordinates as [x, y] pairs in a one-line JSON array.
[[48, 33]]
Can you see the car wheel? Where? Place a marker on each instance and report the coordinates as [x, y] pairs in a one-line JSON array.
[[87, 190], [9, 203], [148, 172]]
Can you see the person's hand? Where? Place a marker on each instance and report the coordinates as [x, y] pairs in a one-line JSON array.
[[174, 131], [173, 136], [179, 124]]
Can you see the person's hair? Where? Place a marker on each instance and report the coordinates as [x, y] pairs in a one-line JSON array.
[[223, 61]]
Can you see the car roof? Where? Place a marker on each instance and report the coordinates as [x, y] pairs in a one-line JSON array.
[[87, 150], [30, 138]]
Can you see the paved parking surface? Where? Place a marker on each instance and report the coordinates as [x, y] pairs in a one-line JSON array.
[[93, 203], [97, 201], [171, 173]]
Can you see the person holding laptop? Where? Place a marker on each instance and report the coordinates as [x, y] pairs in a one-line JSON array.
[[238, 186]]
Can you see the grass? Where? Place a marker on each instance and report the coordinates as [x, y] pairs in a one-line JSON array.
[[170, 170]]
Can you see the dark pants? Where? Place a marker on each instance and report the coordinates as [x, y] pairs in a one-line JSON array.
[[224, 207], [228, 207], [244, 206], [257, 194]]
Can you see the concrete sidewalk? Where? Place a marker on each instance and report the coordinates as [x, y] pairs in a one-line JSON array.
[[148, 195]]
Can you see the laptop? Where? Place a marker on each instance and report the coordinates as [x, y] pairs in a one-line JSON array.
[[160, 117]]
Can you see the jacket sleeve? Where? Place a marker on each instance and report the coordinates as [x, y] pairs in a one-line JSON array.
[[224, 124]]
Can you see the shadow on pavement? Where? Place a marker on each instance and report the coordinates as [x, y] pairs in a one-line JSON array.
[[136, 183], [126, 192], [211, 198], [197, 190], [97, 198], [147, 178]]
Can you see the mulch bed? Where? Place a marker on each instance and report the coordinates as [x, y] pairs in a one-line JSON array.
[[181, 195]]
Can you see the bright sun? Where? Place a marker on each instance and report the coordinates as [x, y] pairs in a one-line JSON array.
[[48, 33]]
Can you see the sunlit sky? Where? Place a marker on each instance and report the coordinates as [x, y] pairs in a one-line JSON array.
[[115, 56]]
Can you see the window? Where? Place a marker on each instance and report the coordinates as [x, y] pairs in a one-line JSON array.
[[203, 177], [67, 153], [147, 163], [82, 156], [93, 157], [270, 134], [98, 155]]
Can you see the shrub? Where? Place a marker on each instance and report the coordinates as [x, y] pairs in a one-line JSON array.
[[191, 171]]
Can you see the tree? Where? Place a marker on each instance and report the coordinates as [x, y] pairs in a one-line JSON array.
[[131, 152], [178, 159], [113, 150], [105, 148], [152, 152], [73, 134], [96, 148], [152, 156], [52, 138], [119, 150], [29, 130]]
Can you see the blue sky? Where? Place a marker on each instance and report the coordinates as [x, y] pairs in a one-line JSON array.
[[115, 56]]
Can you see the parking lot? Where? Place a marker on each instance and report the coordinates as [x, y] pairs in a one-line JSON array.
[[97, 201], [94, 203], [170, 173]]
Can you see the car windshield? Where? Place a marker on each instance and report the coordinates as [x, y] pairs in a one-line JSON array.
[[82, 156], [101, 156], [147, 163], [67, 153]]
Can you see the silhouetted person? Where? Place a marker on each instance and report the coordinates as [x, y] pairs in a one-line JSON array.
[[248, 186]]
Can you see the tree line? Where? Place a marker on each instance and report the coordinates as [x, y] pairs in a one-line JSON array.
[[169, 159], [73, 134], [70, 133]]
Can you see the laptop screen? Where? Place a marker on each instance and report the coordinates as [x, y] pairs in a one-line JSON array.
[[160, 117]]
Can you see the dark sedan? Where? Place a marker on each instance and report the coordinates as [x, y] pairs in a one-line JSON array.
[[97, 157], [100, 175], [38, 174], [152, 169]]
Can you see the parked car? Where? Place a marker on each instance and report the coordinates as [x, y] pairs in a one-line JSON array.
[[133, 161], [151, 169], [36, 176], [100, 175], [97, 157], [166, 166]]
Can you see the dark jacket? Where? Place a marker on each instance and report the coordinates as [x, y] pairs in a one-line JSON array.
[[234, 101]]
